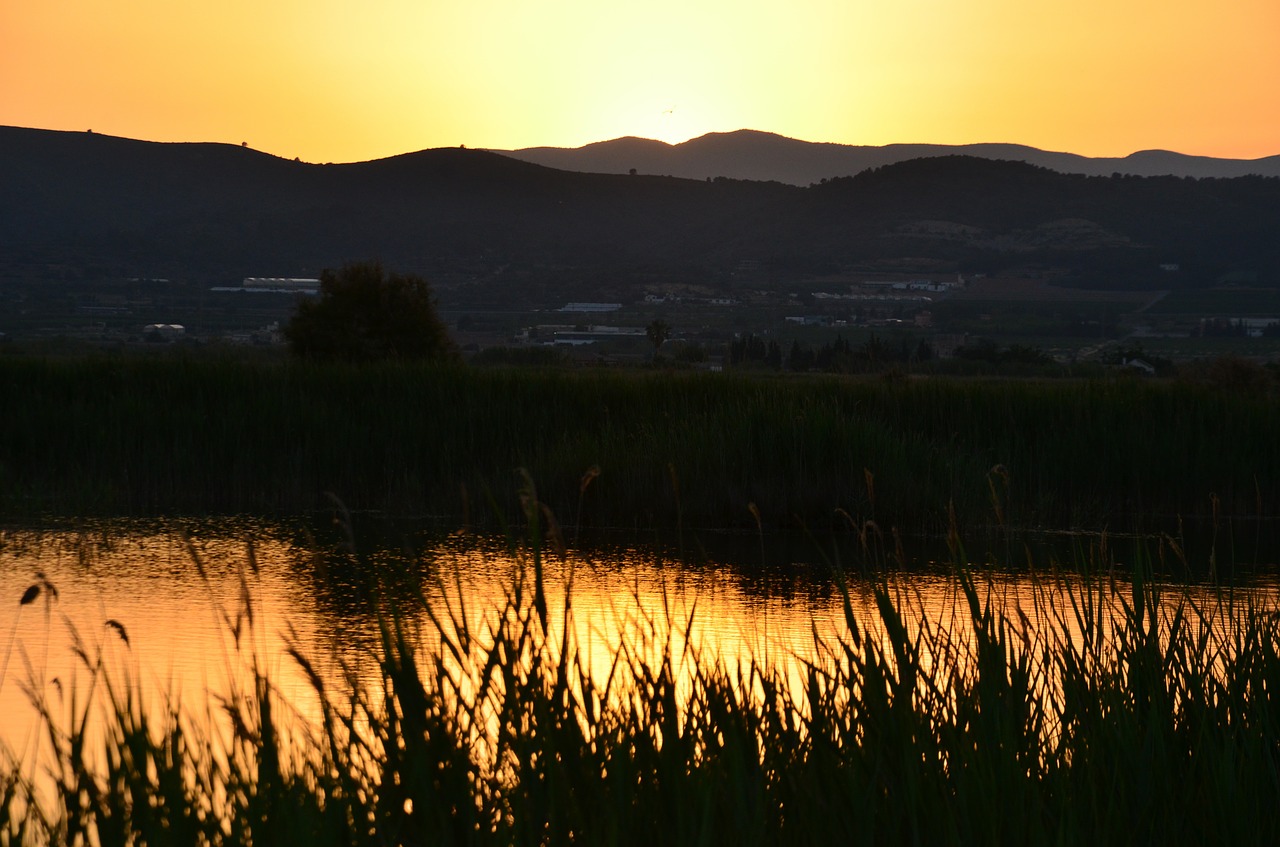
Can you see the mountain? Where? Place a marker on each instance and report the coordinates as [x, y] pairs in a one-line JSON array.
[[762, 156], [489, 227], [220, 212]]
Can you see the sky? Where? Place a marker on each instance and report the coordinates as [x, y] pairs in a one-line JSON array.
[[341, 80]]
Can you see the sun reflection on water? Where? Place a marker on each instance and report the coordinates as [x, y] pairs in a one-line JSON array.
[[186, 611]]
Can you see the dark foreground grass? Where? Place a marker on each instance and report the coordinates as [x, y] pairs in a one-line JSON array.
[[143, 436], [1108, 714]]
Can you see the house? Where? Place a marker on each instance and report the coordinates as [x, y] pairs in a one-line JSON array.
[[281, 284], [1140, 365], [163, 332]]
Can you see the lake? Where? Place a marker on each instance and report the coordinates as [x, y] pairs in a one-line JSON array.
[[190, 618], [182, 607]]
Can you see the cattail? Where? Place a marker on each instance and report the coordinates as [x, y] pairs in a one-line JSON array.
[[120, 631]]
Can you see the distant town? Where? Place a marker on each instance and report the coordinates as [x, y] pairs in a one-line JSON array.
[[935, 315]]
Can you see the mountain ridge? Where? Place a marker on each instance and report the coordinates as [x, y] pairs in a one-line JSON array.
[[488, 226], [766, 157]]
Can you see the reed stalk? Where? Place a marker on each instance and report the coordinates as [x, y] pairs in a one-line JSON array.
[[1112, 711]]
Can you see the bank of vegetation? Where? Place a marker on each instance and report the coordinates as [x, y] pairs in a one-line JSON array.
[[1106, 713], [174, 435]]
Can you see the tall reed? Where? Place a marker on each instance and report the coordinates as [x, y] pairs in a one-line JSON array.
[[1110, 712], [196, 436]]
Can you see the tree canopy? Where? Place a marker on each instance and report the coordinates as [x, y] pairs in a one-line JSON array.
[[658, 332], [365, 313]]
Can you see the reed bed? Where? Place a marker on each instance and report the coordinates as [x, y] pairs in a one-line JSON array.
[[171, 436], [1109, 712]]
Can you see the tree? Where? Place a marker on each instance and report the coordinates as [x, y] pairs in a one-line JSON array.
[[364, 313], [773, 358], [658, 332]]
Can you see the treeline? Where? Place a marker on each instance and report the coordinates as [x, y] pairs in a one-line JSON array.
[[873, 355], [838, 356], [986, 350], [1226, 328]]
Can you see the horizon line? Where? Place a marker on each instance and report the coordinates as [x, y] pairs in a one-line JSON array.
[[660, 142]]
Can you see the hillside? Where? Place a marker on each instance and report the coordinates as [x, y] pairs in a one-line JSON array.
[[488, 225]]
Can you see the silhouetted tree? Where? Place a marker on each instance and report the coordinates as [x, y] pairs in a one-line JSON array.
[[801, 357], [979, 350], [364, 313], [873, 352], [691, 353], [773, 357], [835, 357], [658, 331], [747, 349], [986, 350], [1238, 374]]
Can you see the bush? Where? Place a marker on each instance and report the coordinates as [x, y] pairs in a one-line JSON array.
[[364, 313]]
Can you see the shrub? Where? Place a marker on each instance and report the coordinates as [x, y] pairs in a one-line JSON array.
[[364, 313]]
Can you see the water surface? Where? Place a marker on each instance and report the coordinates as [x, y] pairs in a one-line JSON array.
[[181, 609]]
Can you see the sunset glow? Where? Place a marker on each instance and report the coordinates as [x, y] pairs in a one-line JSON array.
[[336, 81]]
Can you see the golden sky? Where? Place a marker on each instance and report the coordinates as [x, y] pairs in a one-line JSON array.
[[341, 80]]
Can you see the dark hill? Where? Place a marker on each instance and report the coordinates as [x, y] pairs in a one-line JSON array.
[[110, 206]]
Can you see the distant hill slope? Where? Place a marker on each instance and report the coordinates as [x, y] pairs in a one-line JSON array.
[[476, 221], [762, 156]]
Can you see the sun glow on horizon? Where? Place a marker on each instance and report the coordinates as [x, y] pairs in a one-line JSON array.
[[326, 81]]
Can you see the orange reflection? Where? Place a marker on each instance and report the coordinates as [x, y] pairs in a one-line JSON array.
[[188, 613]]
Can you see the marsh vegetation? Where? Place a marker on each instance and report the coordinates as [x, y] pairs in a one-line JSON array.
[[1105, 700], [1090, 706], [120, 435]]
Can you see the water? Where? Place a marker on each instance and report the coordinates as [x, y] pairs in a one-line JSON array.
[[183, 609], [131, 598]]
